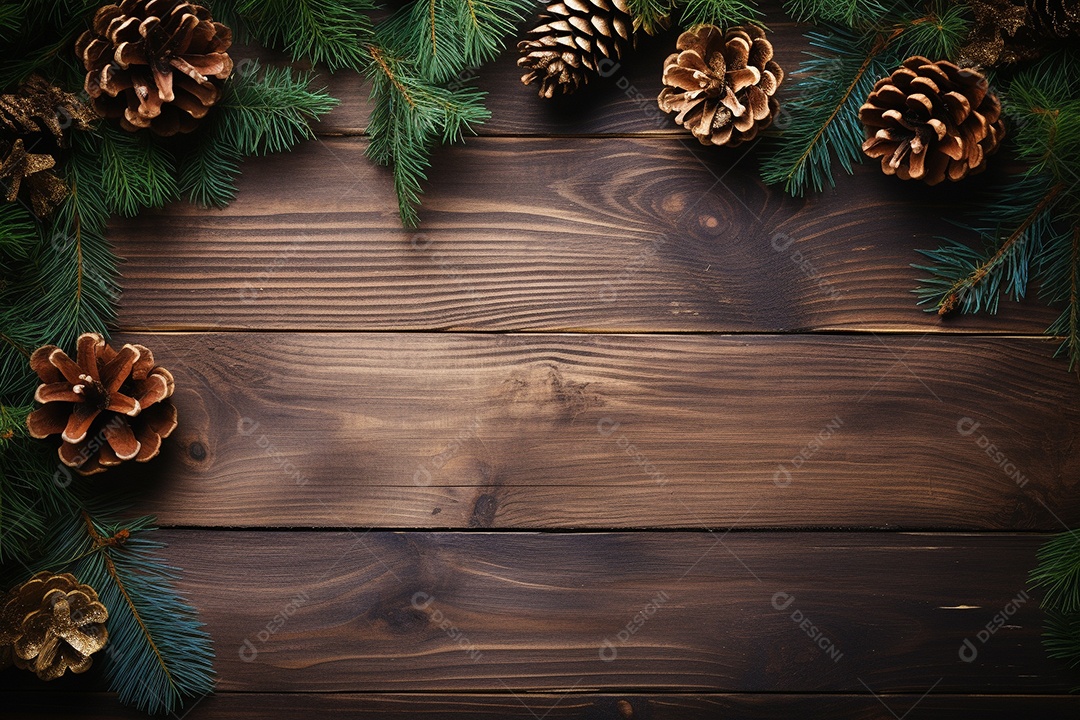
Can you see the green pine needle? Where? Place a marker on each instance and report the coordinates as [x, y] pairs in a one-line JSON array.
[[722, 13], [332, 32], [1061, 637], [442, 38], [1058, 573], [409, 117], [158, 654], [650, 15], [849, 13]]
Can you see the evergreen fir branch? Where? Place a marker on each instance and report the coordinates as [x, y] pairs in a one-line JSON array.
[[650, 15], [722, 13], [1061, 637], [824, 115], [18, 232], [442, 38], [1060, 283], [849, 13], [332, 32], [409, 116], [269, 111], [966, 280], [158, 654], [208, 172], [1058, 573], [136, 171]]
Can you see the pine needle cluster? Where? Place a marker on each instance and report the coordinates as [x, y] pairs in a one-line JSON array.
[[1030, 227], [1058, 575]]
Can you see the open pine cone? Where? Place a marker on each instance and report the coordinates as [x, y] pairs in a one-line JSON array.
[[572, 42], [110, 406], [53, 624], [155, 63], [932, 120], [722, 84]]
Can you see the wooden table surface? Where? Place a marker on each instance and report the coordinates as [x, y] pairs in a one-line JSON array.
[[618, 433]]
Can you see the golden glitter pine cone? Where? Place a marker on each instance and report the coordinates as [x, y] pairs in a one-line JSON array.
[[33, 125], [572, 43], [108, 406], [51, 624], [722, 84], [932, 121], [157, 64]]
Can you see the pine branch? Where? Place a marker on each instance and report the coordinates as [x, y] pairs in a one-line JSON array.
[[158, 655], [136, 171], [650, 15], [722, 13], [1058, 573], [442, 38], [332, 32], [409, 116], [849, 13], [1061, 637]]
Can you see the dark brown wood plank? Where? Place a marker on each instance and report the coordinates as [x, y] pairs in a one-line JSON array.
[[606, 431], [543, 234], [530, 706], [399, 612]]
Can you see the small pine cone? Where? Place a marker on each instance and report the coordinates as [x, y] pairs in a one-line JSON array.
[[1056, 18], [932, 120], [722, 84], [109, 406], [157, 64], [33, 123], [52, 624], [572, 43]]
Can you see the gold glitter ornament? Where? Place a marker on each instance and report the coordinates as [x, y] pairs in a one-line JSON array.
[[33, 123], [52, 624]]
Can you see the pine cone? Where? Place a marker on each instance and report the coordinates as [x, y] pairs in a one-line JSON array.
[[52, 624], [932, 120], [32, 126], [110, 406], [572, 42], [722, 85], [155, 63]]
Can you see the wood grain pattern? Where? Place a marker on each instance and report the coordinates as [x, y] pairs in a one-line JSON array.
[[563, 706], [398, 612], [543, 234], [429, 430]]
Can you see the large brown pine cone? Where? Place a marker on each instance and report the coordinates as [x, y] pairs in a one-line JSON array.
[[572, 43], [159, 64], [932, 120], [722, 84], [53, 624], [109, 406]]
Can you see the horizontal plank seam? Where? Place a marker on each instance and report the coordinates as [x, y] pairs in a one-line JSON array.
[[588, 333]]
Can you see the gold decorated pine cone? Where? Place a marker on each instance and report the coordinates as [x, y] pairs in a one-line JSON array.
[[107, 407], [51, 624], [932, 120], [157, 64]]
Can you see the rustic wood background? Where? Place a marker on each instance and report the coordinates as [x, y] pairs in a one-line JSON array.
[[437, 473]]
